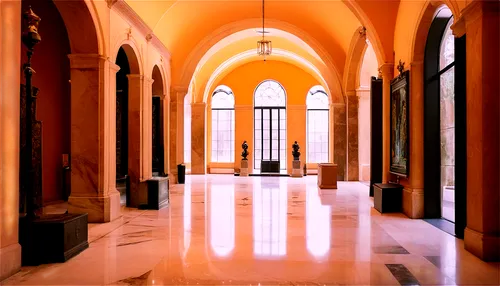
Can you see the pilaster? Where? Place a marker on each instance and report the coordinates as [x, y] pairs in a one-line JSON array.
[[352, 136], [338, 113], [176, 130], [198, 142], [136, 139], [413, 195], [10, 66], [364, 131], [91, 140], [482, 234], [387, 71]]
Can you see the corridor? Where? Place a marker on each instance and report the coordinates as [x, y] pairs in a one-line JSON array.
[[225, 230]]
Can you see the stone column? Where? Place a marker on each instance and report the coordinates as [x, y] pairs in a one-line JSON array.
[[10, 67], [339, 139], [413, 194], [364, 132], [176, 130], [147, 129], [352, 136], [198, 142], [482, 26], [91, 140], [113, 69], [136, 140], [387, 71]]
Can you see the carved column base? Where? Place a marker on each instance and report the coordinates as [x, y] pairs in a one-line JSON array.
[[413, 203], [10, 260], [98, 208], [484, 246]]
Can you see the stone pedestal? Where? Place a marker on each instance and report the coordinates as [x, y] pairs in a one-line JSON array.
[[244, 168], [387, 197], [52, 238], [296, 170], [327, 176], [158, 194]]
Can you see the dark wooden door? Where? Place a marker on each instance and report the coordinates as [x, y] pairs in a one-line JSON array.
[[376, 133]]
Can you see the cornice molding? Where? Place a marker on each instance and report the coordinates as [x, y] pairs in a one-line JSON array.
[[123, 9]]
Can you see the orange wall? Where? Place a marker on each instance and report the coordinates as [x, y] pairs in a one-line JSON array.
[[51, 63], [243, 81]]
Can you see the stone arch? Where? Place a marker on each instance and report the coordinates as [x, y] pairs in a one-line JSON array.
[[354, 59], [133, 55], [80, 24], [218, 35], [424, 23], [281, 55], [158, 82]]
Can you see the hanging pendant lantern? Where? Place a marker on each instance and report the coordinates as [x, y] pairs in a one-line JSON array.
[[264, 47]]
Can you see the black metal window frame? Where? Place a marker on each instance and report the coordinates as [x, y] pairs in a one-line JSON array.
[[270, 108]]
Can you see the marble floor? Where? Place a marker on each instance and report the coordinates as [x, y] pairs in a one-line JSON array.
[[227, 230]]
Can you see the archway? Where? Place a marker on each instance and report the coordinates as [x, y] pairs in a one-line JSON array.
[[53, 105], [270, 127], [125, 133], [157, 142], [444, 124]]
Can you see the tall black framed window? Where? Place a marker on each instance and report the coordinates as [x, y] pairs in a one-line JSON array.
[[439, 118], [270, 127], [317, 125]]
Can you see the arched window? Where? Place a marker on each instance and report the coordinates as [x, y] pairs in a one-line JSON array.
[[439, 117], [270, 127], [223, 125], [187, 128], [318, 125]]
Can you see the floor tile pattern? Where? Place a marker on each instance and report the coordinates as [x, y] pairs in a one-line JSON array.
[[227, 230]]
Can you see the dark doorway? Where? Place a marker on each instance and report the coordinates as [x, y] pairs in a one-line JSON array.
[[376, 133], [157, 136], [157, 143], [122, 124], [444, 124]]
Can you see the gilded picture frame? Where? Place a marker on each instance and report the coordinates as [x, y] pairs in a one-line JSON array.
[[400, 127]]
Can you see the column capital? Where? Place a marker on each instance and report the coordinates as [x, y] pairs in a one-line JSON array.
[[114, 67], [350, 93], [198, 105], [179, 89], [148, 80], [135, 77], [386, 70]]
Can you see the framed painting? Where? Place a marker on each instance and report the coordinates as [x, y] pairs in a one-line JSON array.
[[400, 118]]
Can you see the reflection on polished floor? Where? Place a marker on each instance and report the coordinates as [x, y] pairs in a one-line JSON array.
[[221, 229]]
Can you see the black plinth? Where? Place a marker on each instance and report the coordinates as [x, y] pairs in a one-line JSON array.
[[387, 197], [157, 193], [52, 238]]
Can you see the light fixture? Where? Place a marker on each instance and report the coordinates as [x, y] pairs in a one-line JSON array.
[[264, 47]]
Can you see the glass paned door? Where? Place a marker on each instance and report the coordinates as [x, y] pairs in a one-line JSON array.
[[270, 139]]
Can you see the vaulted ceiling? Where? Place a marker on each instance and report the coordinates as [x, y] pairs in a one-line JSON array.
[[320, 32]]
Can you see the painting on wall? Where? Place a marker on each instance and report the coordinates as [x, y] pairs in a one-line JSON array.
[[400, 95]]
